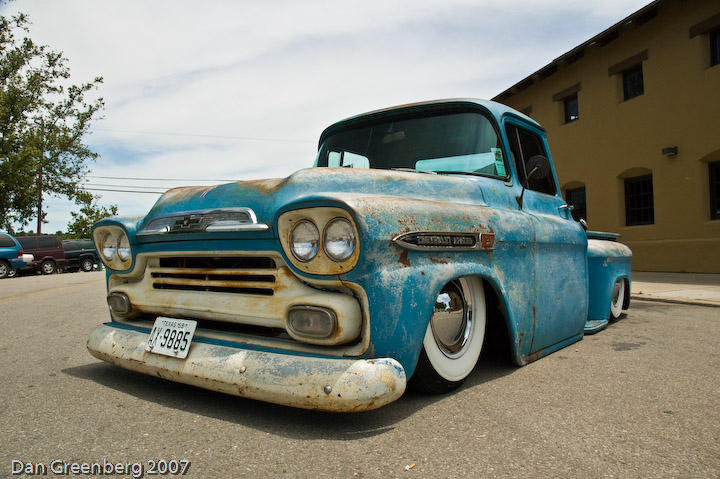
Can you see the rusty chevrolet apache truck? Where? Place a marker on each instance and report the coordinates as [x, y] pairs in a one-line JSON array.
[[421, 232]]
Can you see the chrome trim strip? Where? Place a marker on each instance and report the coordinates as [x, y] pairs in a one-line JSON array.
[[252, 225], [482, 241]]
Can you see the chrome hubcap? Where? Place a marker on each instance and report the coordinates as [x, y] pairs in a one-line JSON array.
[[451, 323], [3, 269]]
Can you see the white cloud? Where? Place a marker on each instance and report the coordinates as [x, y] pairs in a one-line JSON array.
[[180, 75]]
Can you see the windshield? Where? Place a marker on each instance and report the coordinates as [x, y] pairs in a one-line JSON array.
[[456, 142]]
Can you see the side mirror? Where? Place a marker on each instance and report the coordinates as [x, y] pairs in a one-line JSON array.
[[537, 165]]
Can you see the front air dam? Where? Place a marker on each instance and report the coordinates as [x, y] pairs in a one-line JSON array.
[[329, 384]]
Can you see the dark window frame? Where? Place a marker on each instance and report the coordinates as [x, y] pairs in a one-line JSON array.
[[714, 47], [632, 88], [568, 103], [714, 175], [577, 212], [639, 205]]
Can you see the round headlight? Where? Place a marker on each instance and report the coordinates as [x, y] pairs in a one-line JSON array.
[[304, 240], [108, 247], [339, 239], [123, 247]]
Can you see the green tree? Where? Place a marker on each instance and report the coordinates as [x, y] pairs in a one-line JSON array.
[[43, 120], [90, 213]]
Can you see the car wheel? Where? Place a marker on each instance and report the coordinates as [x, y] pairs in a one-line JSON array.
[[86, 264], [618, 297], [453, 338], [5, 269], [48, 267], [12, 273]]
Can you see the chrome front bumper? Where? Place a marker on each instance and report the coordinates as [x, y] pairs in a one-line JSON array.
[[330, 384]]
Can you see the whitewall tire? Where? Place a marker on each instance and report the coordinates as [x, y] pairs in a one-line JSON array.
[[454, 337], [617, 298]]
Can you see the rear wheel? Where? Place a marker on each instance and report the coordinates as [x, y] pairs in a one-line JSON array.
[[5, 269], [86, 264], [48, 267], [453, 338], [617, 299]]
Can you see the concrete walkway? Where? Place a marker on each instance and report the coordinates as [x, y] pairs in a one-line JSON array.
[[683, 288]]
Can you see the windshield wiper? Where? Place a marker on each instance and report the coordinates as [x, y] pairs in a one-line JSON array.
[[451, 172], [414, 170]]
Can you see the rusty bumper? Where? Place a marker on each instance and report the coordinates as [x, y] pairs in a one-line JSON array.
[[331, 384]]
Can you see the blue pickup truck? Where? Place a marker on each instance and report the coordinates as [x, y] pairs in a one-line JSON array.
[[421, 234]]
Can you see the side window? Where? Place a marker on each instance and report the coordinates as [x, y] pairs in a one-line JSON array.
[[27, 242], [47, 242], [6, 241], [524, 145]]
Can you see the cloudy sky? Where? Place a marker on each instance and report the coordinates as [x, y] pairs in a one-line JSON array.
[[199, 92]]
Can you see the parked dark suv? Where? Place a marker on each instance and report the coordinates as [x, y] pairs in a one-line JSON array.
[[80, 254], [47, 250]]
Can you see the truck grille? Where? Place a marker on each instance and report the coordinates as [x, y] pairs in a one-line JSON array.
[[233, 274]]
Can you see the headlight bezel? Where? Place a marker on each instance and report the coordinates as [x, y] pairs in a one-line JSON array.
[[113, 235], [321, 217]]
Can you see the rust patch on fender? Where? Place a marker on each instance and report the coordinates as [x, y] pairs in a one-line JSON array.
[[438, 260], [270, 185], [403, 260]]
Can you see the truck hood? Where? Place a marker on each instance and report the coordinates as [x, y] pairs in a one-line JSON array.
[[267, 197]]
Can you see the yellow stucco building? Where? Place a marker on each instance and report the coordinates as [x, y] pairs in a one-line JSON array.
[[633, 122]]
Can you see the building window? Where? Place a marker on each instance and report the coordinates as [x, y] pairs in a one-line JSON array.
[[633, 82], [575, 197], [715, 47], [571, 108], [639, 209], [714, 190]]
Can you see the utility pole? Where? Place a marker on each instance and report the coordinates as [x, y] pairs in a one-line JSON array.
[[40, 197]]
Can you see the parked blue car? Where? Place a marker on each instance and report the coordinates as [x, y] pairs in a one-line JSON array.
[[422, 233], [11, 256]]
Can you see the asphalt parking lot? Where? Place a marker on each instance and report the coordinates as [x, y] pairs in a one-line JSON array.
[[638, 400]]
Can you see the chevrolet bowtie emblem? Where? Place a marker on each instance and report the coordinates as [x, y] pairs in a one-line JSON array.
[[188, 222]]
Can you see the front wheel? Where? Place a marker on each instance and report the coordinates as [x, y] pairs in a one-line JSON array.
[[453, 338]]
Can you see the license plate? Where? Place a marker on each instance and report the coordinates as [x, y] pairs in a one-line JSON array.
[[171, 337]]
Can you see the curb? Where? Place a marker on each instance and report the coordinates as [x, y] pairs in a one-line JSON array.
[[674, 301]]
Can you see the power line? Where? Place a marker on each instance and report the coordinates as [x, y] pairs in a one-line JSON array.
[[125, 191], [198, 135], [128, 186], [152, 179]]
